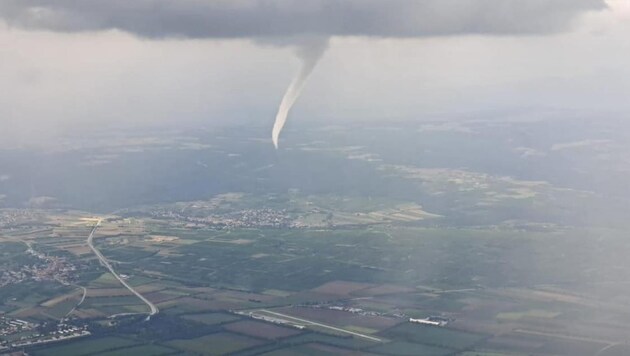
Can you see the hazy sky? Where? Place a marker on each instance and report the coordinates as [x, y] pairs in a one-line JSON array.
[[92, 62]]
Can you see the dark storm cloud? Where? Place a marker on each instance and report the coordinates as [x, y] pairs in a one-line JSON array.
[[288, 18]]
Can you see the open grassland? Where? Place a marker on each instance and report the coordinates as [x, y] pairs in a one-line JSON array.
[[86, 347], [215, 344], [107, 292], [95, 302], [261, 330], [212, 318], [430, 335], [401, 348], [61, 299], [341, 288], [545, 344], [346, 342], [60, 310], [392, 272], [276, 292], [488, 353], [310, 349], [533, 313], [106, 280], [283, 258], [141, 350], [187, 305]]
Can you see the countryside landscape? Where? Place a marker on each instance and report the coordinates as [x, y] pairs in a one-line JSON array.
[[314, 177], [415, 258]]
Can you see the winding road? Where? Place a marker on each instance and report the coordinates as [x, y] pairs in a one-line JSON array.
[[153, 309], [83, 295]]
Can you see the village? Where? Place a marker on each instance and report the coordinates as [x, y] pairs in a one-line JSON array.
[[17, 333], [247, 218], [43, 268]]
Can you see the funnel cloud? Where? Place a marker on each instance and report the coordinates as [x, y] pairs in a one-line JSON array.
[[309, 53], [290, 22]]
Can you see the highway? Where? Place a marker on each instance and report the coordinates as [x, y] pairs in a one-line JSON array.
[[153, 309]]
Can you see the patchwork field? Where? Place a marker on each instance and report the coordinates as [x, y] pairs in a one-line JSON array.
[[87, 347], [261, 330], [215, 344], [330, 289]]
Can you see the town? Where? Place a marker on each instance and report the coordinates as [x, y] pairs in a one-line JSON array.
[[42, 268], [14, 217], [16, 333], [247, 218]]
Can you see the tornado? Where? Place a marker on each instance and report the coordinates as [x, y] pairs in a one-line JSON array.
[[309, 53]]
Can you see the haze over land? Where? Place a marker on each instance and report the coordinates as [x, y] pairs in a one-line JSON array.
[[452, 181]]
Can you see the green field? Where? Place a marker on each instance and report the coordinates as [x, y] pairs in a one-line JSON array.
[[401, 348], [89, 346], [515, 232], [141, 350], [344, 342], [534, 313], [105, 280], [431, 335], [211, 318], [215, 344]]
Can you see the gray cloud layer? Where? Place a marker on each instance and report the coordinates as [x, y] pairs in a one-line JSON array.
[[288, 18]]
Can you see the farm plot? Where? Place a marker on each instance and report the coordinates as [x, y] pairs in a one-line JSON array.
[[410, 349], [261, 330], [435, 336], [211, 318], [86, 347], [215, 344]]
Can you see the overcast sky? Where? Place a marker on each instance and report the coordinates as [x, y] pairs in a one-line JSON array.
[[91, 62]]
